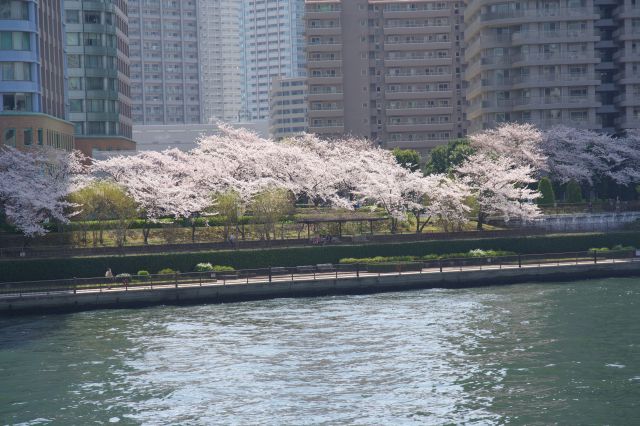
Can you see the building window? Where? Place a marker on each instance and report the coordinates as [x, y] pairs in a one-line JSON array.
[[10, 137], [14, 9], [16, 71], [17, 102], [92, 17], [73, 39], [95, 83], [14, 41], [75, 83], [72, 16], [78, 127], [40, 137], [95, 128], [27, 137], [93, 61], [73, 61], [75, 105], [92, 39]]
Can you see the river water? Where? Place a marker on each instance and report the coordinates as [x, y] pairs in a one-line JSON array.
[[528, 354]]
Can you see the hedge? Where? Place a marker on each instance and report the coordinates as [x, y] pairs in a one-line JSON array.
[[43, 269]]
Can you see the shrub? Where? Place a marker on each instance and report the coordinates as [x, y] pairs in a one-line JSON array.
[[573, 193], [618, 247], [221, 268], [432, 256], [548, 197], [203, 267], [166, 271], [143, 273]]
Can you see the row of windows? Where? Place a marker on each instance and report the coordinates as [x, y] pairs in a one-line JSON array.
[[93, 105], [40, 137], [91, 39], [17, 102], [14, 9], [15, 40], [15, 71], [90, 17], [92, 83]]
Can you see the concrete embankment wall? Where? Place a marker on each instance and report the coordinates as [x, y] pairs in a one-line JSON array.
[[306, 288]]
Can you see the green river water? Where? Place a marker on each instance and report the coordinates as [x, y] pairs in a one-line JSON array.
[[566, 353]]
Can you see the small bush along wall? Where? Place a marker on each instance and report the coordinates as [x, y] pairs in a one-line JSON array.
[[47, 269]]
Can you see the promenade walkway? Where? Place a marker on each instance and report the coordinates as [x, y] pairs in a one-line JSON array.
[[288, 275]]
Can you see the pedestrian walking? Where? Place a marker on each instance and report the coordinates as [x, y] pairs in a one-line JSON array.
[[109, 276]]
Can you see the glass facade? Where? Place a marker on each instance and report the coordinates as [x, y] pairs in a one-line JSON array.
[[98, 63]]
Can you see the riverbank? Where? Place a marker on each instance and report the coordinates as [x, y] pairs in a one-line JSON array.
[[303, 285]]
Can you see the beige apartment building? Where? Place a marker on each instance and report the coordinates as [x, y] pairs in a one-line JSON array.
[[387, 70], [287, 107], [572, 62]]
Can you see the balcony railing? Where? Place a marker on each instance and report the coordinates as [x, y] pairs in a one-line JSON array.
[[561, 12]]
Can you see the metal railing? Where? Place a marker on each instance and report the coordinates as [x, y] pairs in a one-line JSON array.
[[309, 273]]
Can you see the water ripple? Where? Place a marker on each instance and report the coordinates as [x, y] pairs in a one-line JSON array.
[[520, 354]]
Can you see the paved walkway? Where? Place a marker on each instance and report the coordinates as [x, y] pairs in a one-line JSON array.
[[310, 276]]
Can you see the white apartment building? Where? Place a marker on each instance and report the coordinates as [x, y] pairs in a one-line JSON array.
[[163, 48], [273, 38], [220, 59]]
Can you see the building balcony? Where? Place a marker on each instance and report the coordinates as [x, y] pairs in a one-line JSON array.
[[334, 130], [321, 31], [413, 45], [415, 14], [426, 94], [419, 127], [403, 112], [550, 14], [417, 62], [335, 96], [432, 78], [563, 36]]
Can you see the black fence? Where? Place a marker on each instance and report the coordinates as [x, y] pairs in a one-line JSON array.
[[308, 272]]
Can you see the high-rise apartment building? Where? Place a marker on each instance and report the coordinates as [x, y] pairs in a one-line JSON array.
[[219, 23], [163, 48], [288, 110], [572, 62], [33, 75], [273, 46], [98, 64], [386, 70]]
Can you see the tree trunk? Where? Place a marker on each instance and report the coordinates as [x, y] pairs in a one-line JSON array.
[[481, 219], [146, 229]]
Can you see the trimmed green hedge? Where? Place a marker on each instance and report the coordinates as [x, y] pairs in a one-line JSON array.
[[43, 269]]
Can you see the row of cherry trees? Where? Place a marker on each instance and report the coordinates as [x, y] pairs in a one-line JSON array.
[[495, 179]]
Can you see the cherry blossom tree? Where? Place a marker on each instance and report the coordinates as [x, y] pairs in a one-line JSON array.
[[168, 183], [588, 157], [444, 202], [499, 187], [34, 186], [520, 142]]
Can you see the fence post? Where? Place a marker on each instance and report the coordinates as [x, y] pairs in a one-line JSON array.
[[75, 285], [270, 277], [175, 277], [595, 256], [440, 264], [519, 261], [357, 270]]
